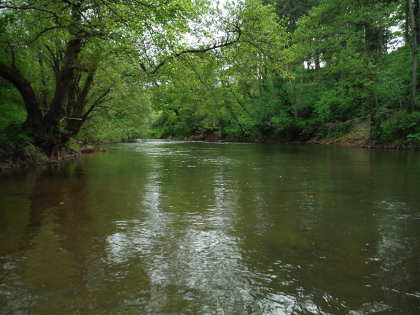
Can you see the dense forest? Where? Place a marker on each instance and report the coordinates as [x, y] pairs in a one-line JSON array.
[[89, 71]]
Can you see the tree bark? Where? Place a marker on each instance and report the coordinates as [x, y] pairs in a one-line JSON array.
[[413, 11], [24, 87], [64, 82], [45, 129]]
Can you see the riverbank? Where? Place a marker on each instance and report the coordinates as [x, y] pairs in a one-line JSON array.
[[73, 151], [361, 143], [357, 136], [40, 159]]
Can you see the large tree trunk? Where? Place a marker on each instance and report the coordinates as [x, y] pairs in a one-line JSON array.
[[53, 138], [46, 129], [413, 20], [375, 48], [52, 125]]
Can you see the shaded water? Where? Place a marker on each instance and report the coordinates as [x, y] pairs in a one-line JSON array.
[[210, 228]]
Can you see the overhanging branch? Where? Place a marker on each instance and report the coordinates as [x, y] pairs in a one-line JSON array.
[[101, 99], [192, 51], [24, 87]]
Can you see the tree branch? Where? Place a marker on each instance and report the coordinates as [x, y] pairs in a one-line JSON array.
[[82, 97], [12, 53], [101, 99], [193, 51], [6, 5], [64, 79], [55, 60], [25, 89], [46, 30]]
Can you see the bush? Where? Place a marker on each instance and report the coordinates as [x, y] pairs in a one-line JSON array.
[[16, 144], [401, 128], [333, 106], [73, 146]]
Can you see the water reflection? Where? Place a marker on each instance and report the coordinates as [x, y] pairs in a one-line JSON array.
[[173, 227]]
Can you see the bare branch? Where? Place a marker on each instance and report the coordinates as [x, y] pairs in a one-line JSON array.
[[44, 31], [193, 51], [55, 60], [29, 7], [101, 99], [83, 96]]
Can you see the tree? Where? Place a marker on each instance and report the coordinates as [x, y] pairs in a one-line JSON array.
[[292, 10], [351, 38], [225, 93], [413, 23], [70, 41]]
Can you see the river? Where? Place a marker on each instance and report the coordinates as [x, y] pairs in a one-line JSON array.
[[167, 227]]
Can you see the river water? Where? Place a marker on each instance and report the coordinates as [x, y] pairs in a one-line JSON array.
[[166, 227]]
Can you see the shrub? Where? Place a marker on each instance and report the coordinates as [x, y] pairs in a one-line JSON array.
[[401, 128], [16, 144]]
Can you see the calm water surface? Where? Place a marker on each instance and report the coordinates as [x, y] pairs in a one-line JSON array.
[[209, 228]]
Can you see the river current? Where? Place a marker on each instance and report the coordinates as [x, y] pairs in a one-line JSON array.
[[171, 227]]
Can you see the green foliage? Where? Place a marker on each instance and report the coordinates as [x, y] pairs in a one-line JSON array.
[[72, 146], [292, 10], [107, 125], [401, 127], [392, 85], [126, 114], [10, 114], [15, 144], [255, 91], [299, 70], [67, 59], [333, 105]]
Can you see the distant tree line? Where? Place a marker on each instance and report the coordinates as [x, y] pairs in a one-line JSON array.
[[82, 71], [318, 69]]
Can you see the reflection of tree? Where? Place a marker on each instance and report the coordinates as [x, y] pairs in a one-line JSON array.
[[72, 211], [14, 217], [49, 268], [58, 208], [183, 237], [200, 228], [185, 181]]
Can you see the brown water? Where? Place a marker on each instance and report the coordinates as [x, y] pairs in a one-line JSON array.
[[211, 228]]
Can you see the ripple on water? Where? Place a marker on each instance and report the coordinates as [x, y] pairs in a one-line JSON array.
[[212, 228]]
